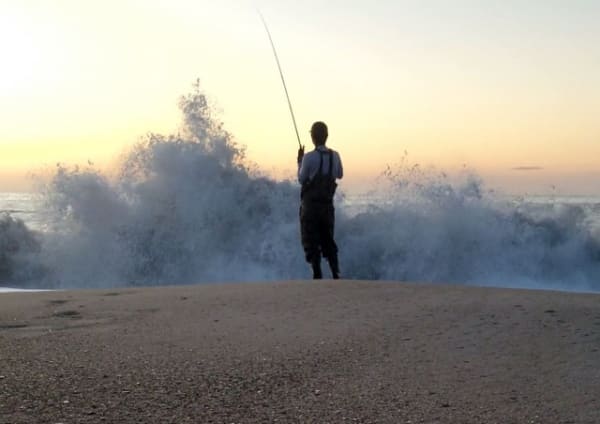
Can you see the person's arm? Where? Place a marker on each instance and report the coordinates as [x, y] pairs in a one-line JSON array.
[[340, 170], [302, 167]]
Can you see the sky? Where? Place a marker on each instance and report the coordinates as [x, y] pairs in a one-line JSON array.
[[508, 89]]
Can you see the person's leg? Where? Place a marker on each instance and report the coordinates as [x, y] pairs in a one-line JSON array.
[[309, 227], [316, 266], [328, 244], [334, 266]]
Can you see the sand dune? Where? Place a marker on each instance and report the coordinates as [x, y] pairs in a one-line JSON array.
[[327, 352]]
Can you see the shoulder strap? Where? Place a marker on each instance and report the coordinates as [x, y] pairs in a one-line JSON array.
[[320, 162]]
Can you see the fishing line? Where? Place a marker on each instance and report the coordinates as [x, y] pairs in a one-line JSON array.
[[282, 78]]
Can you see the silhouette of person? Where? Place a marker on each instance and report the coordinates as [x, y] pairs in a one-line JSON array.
[[317, 173]]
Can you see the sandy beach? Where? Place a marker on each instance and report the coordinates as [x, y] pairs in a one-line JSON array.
[[300, 352]]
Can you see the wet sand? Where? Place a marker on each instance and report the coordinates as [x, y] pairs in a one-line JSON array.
[[300, 352]]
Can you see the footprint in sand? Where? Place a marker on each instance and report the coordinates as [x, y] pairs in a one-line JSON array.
[[67, 314]]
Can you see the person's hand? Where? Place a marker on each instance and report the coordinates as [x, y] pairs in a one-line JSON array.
[[300, 154]]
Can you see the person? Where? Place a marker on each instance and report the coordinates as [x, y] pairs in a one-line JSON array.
[[318, 171]]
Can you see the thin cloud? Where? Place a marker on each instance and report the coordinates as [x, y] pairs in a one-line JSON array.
[[527, 168]]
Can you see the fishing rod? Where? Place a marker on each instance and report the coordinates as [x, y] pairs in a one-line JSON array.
[[287, 95]]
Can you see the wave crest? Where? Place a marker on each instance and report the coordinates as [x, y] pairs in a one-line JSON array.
[[189, 208]]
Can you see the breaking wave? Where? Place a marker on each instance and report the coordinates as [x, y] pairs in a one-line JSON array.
[[190, 208]]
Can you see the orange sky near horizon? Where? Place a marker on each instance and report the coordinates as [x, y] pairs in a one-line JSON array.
[[510, 90]]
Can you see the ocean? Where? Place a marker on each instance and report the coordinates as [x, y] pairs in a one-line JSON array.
[[188, 208], [537, 242]]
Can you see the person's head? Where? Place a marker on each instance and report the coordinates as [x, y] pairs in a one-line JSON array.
[[319, 133]]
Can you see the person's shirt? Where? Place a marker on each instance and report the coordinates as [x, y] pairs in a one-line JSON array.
[[309, 166]]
